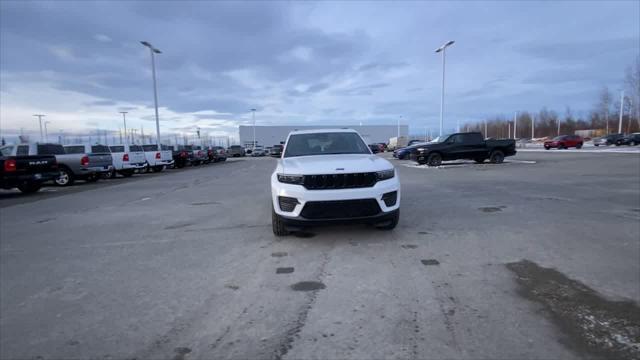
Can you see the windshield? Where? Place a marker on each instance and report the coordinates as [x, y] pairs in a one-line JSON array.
[[440, 139], [559, 138], [325, 144]]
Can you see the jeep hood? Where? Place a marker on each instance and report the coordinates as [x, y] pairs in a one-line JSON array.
[[333, 164]]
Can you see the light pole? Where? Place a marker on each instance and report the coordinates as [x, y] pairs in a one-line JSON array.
[[558, 126], [533, 125], [124, 119], [485, 129], [515, 125], [46, 133], [399, 127], [40, 116], [621, 105], [253, 115], [443, 49], [154, 51]]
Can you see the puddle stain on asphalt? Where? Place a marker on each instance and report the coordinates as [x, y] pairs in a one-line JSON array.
[[232, 286], [279, 254], [592, 324], [284, 270], [423, 232], [205, 203], [491, 209], [408, 246], [181, 352], [308, 286], [177, 226], [428, 262]]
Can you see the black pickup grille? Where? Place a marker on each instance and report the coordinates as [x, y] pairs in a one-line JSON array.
[[342, 209], [339, 181]]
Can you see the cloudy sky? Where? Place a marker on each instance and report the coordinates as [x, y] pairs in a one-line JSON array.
[[304, 62]]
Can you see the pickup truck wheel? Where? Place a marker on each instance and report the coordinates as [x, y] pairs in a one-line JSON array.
[[596, 145], [391, 224], [65, 178], [158, 168], [579, 146], [279, 228], [29, 188], [479, 160], [547, 147], [497, 157], [434, 159], [111, 174]]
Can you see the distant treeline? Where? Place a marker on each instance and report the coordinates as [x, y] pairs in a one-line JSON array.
[[604, 116]]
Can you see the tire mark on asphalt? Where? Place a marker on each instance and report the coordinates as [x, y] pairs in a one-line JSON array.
[[286, 343]]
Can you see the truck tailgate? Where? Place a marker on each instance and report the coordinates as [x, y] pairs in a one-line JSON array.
[[36, 163], [166, 155], [136, 157], [100, 160]]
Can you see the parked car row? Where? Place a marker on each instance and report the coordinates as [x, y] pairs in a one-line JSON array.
[[618, 140], [28, 166]]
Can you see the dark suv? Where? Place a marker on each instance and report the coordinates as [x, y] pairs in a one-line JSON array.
[[631, 139]]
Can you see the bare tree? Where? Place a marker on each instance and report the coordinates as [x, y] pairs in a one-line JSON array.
[[632, 82], [604, 107]]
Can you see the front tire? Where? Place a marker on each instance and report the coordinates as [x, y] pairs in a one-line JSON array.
[[392, 223], [66, 177], [579, 146], [434, 159], [497, 157], [29, 188], [279, 228]]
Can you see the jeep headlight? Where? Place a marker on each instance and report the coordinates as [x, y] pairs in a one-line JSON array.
[[420, 149], [291, 179], [385, 174]]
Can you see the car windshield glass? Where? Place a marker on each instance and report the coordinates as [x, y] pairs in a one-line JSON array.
[[135, 148], [74, 149], [99, 149], [117, 148], [325, 144], [559, 137], [150, 147], [50, 149], [440, 139]]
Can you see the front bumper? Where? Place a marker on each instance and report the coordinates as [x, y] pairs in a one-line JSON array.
[[303, 196]]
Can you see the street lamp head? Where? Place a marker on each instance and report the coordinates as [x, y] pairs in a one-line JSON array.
[[252, 110], [123, 112], [441, 48], [145, 43], [157, 51]]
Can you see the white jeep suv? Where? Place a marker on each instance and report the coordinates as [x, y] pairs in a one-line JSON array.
[[331, 176]]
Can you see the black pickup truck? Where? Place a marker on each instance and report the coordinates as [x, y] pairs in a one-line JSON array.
[[468, 145], [27, 172]]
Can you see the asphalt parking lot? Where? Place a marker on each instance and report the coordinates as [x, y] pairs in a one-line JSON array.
[[535, 258]]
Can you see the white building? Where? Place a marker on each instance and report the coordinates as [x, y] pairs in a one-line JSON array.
[[273, 135]]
